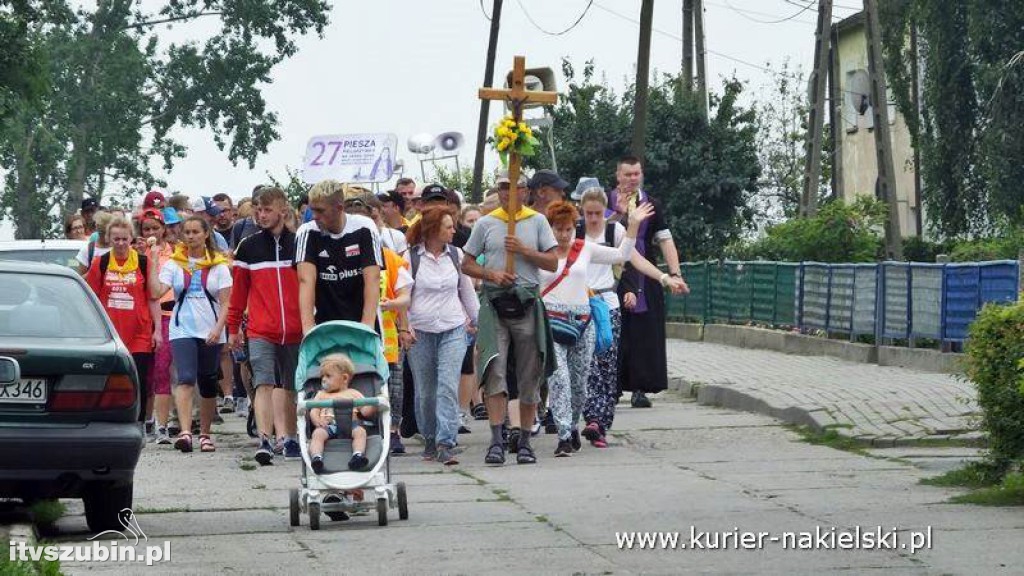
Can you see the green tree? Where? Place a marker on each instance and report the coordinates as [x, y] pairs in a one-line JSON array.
[[703, 170], [969, 132], [118, 89]]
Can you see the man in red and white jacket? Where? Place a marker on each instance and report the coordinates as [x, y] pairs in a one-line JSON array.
[[267, 285]]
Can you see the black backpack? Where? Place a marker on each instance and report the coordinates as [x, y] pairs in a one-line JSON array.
[[609, 232]]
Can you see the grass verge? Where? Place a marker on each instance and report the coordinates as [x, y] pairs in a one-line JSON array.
[[42, 567]]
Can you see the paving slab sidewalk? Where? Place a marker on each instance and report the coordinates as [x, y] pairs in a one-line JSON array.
[[879, 405]]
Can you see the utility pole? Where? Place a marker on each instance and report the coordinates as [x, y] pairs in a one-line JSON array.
[[687, 79], [485, 105], [702, 77], [643, 60], [883, 138], [816, 123]]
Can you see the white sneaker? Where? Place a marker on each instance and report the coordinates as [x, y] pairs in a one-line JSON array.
[[463, 427], [242, 407]]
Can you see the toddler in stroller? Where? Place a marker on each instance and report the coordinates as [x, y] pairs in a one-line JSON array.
[[336, 372]]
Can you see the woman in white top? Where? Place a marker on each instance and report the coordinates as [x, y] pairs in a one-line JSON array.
[[201, 280], [443, 307], [567, 302], [602, 384]]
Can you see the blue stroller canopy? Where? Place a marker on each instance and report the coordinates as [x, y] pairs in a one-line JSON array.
[[354, 339]]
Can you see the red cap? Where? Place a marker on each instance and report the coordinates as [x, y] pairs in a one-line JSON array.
[[152, 214], [154, 200]]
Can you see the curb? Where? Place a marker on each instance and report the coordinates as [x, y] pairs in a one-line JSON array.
[[726, 397]]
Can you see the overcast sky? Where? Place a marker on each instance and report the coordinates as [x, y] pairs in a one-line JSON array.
[[413, 66]]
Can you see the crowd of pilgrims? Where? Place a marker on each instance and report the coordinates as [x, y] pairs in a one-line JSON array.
[[214, 296]]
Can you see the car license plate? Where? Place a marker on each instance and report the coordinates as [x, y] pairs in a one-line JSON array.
[[27, 391]]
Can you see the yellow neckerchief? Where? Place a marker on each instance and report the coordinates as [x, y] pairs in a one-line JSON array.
[[180, 256], [523, 214], [131, 264]]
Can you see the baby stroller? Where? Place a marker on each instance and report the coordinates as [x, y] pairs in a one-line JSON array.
[[338, 491]]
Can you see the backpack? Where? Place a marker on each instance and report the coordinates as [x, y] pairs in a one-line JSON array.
[[105, 263], [609, 232], [204, 275], [453, 253]]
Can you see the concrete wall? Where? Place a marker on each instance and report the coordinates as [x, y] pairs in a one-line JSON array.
[[859, 162], [803, 345]]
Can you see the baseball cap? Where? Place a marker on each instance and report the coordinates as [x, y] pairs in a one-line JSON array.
[[171, 216], [152, 213], [503, 178], [90, 204], [434, 192], [205, 204], [547, 178], [393, 197], [154, 200]]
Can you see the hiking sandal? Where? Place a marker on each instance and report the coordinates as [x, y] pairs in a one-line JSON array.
[[206, 444], [526, 456], [184, 442]]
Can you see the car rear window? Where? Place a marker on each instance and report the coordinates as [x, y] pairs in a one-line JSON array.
[[62, 257], [47, 306]]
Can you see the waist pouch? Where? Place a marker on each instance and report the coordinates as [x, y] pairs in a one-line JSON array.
[[508, 306]]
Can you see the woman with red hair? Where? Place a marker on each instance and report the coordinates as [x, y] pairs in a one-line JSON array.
[[567, 301], [443, 308]]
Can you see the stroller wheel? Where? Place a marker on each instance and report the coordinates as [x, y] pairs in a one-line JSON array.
[[250, 424], [382, 511], [314, 515], [403, 502], [293, 506]]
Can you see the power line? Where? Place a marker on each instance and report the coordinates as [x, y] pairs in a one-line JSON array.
[[779, 21], [834, 5], [744, 11], [484, 10], [549, 33]]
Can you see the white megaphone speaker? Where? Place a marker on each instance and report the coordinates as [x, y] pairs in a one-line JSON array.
[[421, 143], [534, 79], [449, 142]]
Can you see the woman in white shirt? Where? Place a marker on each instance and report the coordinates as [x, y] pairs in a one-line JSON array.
[[567, 302], [201, 280], [443, 307], [603, 382]]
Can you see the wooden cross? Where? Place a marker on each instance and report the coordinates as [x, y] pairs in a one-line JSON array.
[[516, 95]]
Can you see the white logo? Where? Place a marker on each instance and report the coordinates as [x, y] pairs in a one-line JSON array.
[[332, 269], [324, 254], [128, 521]]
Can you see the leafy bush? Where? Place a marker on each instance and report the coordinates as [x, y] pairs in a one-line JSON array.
[[1004, 247], [840, 232], [994, 364], [917, 249]]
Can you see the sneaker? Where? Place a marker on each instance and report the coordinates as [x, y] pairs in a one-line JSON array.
[[162, 436], [463, 429], [592, 431], [195, 425], [357, 461], [317, 462], [279, 446], [599, 443], [495, 455], [535, 429], [265, 453], [150, 427], [549, 423], [640, 400], [574, 441], [445, 455], [242, 407], [513, 440], [429, 450], [479, 412], [173, 427], [396, 443], [227, 405], [564, 449], [292, 451]]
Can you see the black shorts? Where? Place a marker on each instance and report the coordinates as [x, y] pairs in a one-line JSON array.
[[467, 362]]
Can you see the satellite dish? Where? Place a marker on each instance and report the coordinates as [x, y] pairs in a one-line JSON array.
[[858, 90], [421, 144], [449, 142]]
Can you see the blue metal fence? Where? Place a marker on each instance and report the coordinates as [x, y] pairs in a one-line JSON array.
[[895, 300]]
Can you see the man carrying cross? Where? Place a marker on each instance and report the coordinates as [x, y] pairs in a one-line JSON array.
[[511, 311]]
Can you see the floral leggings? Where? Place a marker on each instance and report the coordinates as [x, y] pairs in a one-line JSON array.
[[603, 383], [567, 387]]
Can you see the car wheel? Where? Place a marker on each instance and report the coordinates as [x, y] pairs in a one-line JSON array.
[[103, 503]]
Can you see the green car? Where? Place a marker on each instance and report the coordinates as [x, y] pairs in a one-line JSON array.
[[69, 395]]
